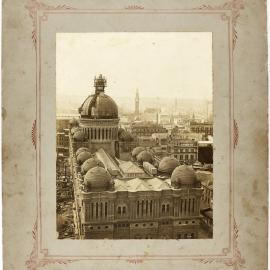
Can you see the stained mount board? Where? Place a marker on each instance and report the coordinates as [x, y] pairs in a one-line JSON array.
[[239, 60]]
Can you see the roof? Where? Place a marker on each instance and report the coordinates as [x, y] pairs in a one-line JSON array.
[[130, 167], [205, 177], [136, 184], [208, 213], [99, 106]]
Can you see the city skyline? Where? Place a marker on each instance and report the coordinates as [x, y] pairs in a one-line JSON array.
[[143, 61]]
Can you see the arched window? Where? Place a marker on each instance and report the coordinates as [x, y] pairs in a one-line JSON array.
[[142, 207], [151, 207], [138, 208], [167, 208], [163, 208], [124, 210], [119, 210]]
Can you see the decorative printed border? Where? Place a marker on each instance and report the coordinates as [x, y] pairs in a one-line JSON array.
[[34, 134], [35, 260], [237, 261]]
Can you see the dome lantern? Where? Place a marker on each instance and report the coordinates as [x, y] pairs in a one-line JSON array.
[[100, 83]]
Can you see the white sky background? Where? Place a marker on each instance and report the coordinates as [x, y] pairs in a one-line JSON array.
[[177, 65]]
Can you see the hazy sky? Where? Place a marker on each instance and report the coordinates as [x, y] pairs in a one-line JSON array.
[[157, 64]]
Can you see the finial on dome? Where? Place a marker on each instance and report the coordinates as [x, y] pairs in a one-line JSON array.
[[100, 83]]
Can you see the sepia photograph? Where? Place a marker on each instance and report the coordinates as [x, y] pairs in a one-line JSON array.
[[134, 135]]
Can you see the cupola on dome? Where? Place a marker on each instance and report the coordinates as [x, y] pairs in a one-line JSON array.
[[90, 163], [79, 136], [168, 164], [137, 150], [83, 156], [73, 122], [82, 149], [183, 176], [97, 179], [99, 105], [74, 129], [145, 156], [124, 135]]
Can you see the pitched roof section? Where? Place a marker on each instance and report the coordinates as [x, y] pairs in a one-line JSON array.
[[130, 167], [136, 184]]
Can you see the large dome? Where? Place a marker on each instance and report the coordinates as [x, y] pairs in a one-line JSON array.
[[183, 176], [145, 156], [90, 163], [97, 178], [168, 164], [99, 106], [137, 150]]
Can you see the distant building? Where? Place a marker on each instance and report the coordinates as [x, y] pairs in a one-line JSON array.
[[205, 127], [151, 115], [183, 134], [62, 142], [146, 141], [183, 150], [146, 129], [165, 119], [137, 106], [160, 138]]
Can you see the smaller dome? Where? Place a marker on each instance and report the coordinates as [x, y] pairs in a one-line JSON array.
[[74, 129], [79, 136], [97, 178], [73, 122], [183, 176], [90, 163], [83, 156], [137, 150], [124, 135], [145, 156], [168, 164], [82, 149]]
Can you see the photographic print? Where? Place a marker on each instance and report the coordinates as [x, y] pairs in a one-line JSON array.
[[134, 129], [134, 135]]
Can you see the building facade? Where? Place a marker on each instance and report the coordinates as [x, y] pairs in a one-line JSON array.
[[183, 150], [206, 128], [146, 129], [118, 199]]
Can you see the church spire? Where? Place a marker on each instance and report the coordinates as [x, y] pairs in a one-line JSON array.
[[137, 104]]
